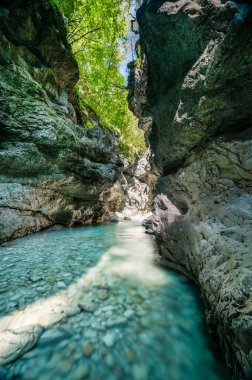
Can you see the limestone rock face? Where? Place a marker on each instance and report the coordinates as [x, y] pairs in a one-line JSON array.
[[51, 169], [131, 196], [195, 99]]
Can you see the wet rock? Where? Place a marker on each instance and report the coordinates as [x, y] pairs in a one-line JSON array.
[[51, 279], [88, 349], [72, 346], [116, 321], [14, 343], [73, 310], [35, 278], [89, 307], [53, 336], [80, 371], [91, 334], [41, 289], [146, 322], [133, 190], [114, 218], [130, 355], [103, 295], [109, 339], [129, 313], [109, 360], [60, 284], [140, 372], [150, 231]]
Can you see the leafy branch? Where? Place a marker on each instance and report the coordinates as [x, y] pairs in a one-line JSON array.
[[83, 35]]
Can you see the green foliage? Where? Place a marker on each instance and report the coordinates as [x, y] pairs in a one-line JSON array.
[[67, 7], [97, 31]]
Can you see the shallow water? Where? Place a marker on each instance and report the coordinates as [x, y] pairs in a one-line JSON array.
[[107, 311]]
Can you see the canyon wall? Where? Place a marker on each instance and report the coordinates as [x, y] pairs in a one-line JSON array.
[[191, 87], [52, 170]]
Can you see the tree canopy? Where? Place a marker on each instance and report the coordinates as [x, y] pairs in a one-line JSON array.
[[97, 32]]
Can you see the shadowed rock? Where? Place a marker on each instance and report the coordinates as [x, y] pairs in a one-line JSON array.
[[195, 88]]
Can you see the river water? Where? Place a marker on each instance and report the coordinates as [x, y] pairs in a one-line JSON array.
[[93, 304]]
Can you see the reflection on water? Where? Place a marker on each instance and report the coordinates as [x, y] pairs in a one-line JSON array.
[[106, 311]]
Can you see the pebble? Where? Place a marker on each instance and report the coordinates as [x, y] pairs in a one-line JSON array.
[[12, 304], [84, 323], [103, 295], [146, 322], [146, 306], [80, 371], [72, 345], [100, 328], [90, 334], [66, 364], [50, 280], [137, 300], [145, 338], [130, 355], [129, 313], [41, 289], [35, 278], [109, 339], [52, 336], [140, 372], [119, 321], [109, 360], [67, 275], [60, 284], [88, 349], [74, 310], [15, 298], [88, 307]]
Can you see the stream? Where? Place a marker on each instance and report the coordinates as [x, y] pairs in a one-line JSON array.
[[90, 303]]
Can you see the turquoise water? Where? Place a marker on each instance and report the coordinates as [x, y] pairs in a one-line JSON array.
[[105, 311]]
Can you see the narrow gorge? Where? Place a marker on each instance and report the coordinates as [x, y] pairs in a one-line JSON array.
[[94, 302]]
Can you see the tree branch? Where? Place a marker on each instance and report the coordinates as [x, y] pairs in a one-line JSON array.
[[85, 34]]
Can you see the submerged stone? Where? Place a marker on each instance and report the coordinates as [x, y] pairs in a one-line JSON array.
[[15, 342], [109, 339]]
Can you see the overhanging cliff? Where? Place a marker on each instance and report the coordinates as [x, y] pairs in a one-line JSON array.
[[191, 87]]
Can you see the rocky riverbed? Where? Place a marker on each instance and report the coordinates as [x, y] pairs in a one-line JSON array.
[[89, 302]]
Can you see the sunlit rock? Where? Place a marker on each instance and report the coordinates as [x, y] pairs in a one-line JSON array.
[[53, 171], [16, 342]]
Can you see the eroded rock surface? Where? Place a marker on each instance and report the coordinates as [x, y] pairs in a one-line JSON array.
[[193, 96], [14, 343], [51, 169], [132, 195]]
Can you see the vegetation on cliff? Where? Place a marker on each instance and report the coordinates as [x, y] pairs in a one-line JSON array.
[[97, 32]]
